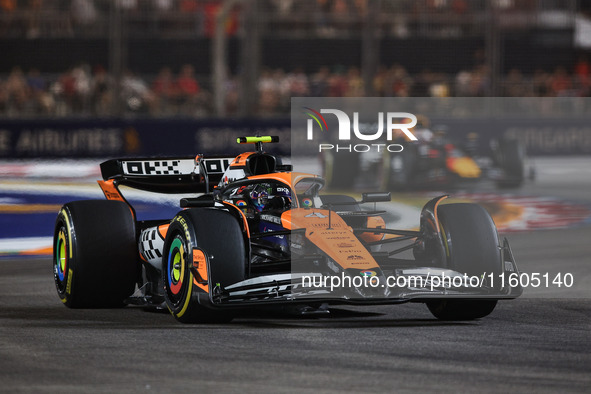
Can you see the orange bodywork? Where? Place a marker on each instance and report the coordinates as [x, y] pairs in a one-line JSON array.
[[244, 221], [338, 241], [283, 177], [110, 190], [200, 264], [437, 224], [374, 222], [240, 160], [163, 229], [289, 178]]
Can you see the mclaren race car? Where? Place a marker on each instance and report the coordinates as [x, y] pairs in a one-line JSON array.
[[250, 232]]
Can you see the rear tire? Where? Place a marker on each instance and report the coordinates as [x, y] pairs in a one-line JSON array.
[[95, 256], [219, 236], [512, 162], [472, 248]]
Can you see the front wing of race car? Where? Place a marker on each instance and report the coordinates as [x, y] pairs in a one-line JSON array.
[[399, 281]]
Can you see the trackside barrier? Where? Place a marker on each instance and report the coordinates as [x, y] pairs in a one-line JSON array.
[[89, 137]]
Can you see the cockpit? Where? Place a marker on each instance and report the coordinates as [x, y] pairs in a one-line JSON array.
[[262, 196]]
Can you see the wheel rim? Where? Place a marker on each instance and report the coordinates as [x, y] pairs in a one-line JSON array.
[[61, 260], [176, 267]]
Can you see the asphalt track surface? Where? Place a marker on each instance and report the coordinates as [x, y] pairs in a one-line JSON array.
[[526, 345]]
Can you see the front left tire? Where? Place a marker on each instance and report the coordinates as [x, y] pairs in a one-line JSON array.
[[207, 241]]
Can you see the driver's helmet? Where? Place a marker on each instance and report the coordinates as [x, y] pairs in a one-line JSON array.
[[423, 135], [421, 130], [440, 130], [259, 197], [439, 135], [280, 199]]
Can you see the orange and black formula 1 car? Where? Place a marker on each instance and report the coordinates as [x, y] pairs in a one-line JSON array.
[[254, 233]]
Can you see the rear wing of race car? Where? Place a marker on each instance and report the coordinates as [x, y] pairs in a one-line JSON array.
[[167, 175], [197, 174]]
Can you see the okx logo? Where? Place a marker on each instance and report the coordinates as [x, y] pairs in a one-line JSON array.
[[397, 124]]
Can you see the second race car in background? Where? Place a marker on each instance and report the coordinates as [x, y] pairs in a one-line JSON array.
[[435, 160]]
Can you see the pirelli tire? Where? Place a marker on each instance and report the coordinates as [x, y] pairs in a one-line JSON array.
[[95, 256], [214, 235], [472, 248]]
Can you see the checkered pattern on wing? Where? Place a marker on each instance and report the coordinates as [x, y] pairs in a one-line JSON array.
[[167, 167], [151, 244]]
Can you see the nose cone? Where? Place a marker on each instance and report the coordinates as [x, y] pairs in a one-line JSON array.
[[367, 284]]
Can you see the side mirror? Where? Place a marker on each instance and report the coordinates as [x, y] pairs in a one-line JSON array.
[[284, 167], [376, 197], [204, 201]]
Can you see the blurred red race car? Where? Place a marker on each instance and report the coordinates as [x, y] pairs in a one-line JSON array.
[[434, 160]]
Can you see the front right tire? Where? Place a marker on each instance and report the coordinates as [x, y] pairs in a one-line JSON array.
[[472, 248]]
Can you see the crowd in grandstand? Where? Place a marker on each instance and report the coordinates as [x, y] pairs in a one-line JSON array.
[[69, 18], [323, 18], [91, 90], [84, 90]]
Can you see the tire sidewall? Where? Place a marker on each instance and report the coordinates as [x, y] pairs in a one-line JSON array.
[[192, 304], [180, 303], [62, 234], [472, 242]]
